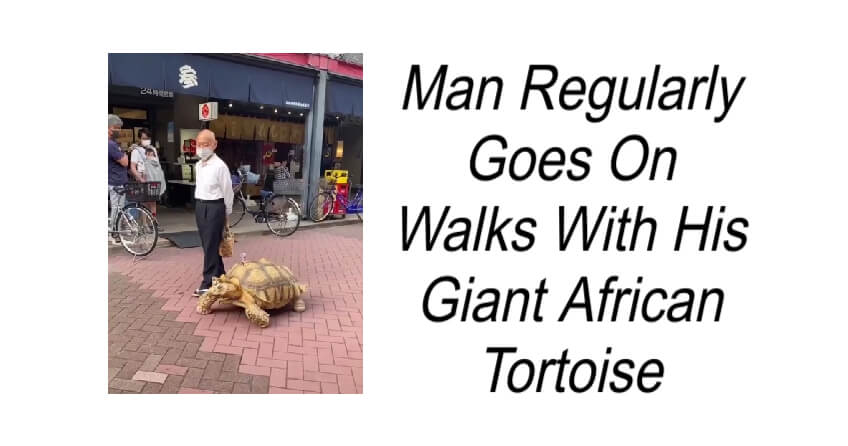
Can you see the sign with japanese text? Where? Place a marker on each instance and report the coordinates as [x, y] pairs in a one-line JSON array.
[[155, 92], [208, 111]]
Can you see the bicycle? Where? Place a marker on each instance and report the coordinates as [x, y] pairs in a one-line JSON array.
[[327, 198], [134, 225], [279, 212]]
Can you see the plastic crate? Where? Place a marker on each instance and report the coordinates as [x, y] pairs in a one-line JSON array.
[[288, 186], [340, 176], [143, 192]]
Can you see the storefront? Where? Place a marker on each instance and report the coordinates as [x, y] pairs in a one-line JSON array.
[[267, 113]]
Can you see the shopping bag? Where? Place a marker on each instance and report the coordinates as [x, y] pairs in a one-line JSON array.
[[225, 249]]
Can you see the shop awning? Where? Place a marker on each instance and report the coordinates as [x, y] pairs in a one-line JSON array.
[[210, 77], [344, 98]]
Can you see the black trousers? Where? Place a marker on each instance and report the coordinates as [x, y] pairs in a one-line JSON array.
[[211, 218]]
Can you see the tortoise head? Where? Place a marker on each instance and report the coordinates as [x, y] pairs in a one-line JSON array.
[[224, 287]]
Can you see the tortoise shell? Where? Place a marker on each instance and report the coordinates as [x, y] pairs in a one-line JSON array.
[[274, 286]]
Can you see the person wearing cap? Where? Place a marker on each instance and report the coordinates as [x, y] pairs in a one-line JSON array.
[[213, 196], [117, 171]]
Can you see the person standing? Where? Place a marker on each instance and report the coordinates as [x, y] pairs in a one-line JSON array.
[[117, 171], [137, 160], [213, 196]]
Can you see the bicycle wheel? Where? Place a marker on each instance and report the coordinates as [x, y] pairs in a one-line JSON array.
[[137, 230], [282, 215], [239, 209], [321, 207]]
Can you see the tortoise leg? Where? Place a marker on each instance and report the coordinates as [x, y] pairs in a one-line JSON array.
[[299, 304], [204, 304], [257, 315], [253, 311]]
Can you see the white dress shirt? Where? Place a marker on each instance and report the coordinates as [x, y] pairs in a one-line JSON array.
[[214, 182]]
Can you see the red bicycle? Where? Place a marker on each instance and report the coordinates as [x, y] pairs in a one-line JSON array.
[[327, 199]]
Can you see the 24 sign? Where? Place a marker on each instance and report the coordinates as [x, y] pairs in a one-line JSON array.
[[155, 92]]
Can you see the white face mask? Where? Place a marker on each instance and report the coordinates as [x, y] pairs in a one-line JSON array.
[[204, 153], [145, 142]]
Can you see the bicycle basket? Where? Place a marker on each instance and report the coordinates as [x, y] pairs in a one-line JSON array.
[[143, 192], [289, 186]]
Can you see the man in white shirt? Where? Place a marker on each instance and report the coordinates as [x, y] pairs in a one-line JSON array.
[[213, 196]]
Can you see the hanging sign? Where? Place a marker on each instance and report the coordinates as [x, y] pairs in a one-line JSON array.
[[208, 111]]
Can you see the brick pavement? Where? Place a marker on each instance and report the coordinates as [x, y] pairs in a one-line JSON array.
[[159, 344]]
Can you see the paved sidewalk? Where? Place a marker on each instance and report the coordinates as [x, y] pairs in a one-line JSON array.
[[159, 344]]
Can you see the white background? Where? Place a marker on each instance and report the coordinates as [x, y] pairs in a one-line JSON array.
[[772, 371]]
